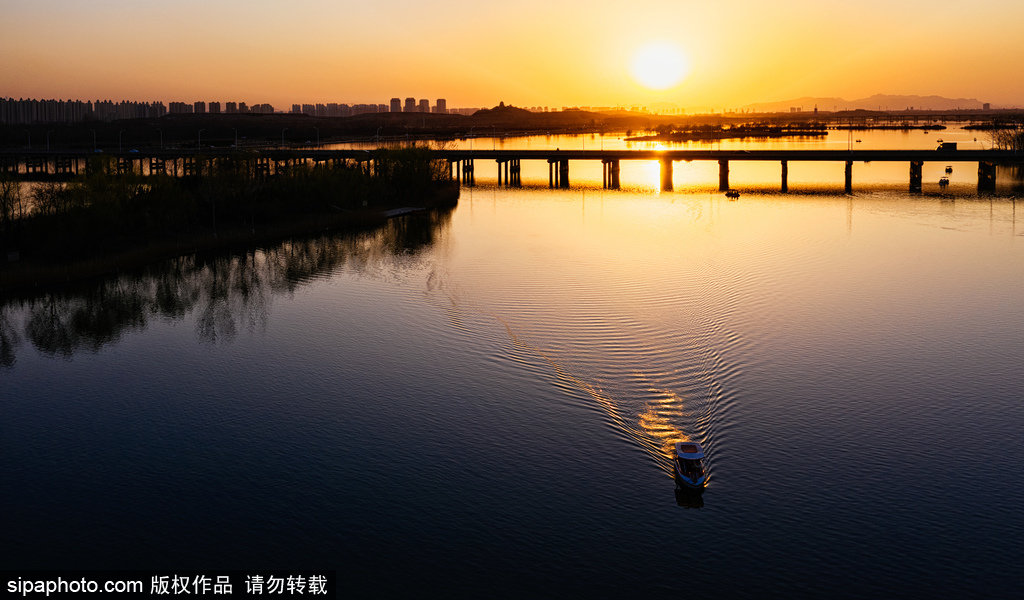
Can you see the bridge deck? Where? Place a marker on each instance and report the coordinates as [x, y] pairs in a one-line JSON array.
[[659, 155]]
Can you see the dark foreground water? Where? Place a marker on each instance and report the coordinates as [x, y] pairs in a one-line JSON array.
[[480, 404]]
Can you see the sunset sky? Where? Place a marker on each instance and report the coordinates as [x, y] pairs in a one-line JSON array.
[[530, 52]]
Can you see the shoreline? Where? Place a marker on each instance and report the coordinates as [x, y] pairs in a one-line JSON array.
[[18, 274]]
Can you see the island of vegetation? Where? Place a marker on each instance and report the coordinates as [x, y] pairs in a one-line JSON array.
[[104, 221], [710, 132]]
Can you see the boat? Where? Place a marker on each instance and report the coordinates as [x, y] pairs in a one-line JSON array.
[[732, 194], [689, 466], [949, 169], [943, 181]]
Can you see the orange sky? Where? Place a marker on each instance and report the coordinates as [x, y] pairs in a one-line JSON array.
[[526, 53]]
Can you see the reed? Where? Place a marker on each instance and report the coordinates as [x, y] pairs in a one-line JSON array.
[[102, 221]]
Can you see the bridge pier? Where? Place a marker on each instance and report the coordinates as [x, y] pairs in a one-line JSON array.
[[849, 177], [915, 175], [611, 173], [262, 167], [468, 178], [517, 173], [65, 165], [511, 166], [986, 176], [723, 175], [125, 165], [666, 175], [785, 176], [35, 165], [157, 164], [558, 177]]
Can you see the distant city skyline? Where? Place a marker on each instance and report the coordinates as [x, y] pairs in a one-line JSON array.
[[69, 110], [725, 54], [40, 110]]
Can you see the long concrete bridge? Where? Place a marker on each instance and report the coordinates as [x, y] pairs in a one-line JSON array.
[[509, 161], [462, 163]]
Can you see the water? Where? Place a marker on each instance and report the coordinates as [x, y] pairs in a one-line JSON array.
[[481, 403]]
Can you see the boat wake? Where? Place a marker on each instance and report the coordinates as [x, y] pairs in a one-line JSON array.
[[652, 385]]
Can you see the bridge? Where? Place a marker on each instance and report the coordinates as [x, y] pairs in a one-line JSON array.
[[41, 165], [558, 162]]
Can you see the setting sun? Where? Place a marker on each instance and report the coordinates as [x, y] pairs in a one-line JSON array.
[[659, 65]]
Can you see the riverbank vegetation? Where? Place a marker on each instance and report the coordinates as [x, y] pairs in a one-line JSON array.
[[102, 219], [1009, 137]]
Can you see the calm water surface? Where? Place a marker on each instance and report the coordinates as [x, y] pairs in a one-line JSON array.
[[482, 403]]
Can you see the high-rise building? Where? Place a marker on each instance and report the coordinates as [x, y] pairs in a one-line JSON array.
[[410, 105], [179, 108], [200, 107], [231, 107], [441, 107], [424, 106], [396, 105], [215, 108]]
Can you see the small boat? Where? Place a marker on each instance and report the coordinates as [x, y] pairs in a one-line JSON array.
[[943, 181], [689, 465], [949, 169], [732, 194]]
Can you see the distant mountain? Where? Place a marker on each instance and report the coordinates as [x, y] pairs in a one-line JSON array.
[[876, 102]]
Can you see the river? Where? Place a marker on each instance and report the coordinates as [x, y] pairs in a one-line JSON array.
[[481, 402]]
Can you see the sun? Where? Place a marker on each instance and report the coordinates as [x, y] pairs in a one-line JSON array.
[[659, 65]]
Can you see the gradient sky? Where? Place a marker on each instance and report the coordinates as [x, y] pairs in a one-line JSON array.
[[527, 52]]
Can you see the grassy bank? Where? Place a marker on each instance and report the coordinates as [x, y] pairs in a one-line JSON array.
[[102, 222]]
